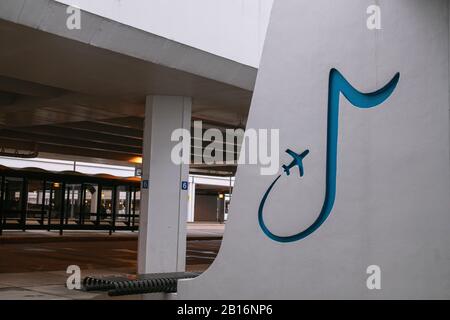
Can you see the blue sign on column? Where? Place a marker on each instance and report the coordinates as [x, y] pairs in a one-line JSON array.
[[144, 184], [184, 185]]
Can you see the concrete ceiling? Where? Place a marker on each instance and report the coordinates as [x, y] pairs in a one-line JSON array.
[[62, 95]]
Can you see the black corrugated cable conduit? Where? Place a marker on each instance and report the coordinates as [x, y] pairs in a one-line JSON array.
[[147, 283]]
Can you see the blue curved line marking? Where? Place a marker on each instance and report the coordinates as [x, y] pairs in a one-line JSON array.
[[337, 84]]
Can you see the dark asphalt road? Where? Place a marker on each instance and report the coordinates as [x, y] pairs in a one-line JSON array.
[[92, 255]]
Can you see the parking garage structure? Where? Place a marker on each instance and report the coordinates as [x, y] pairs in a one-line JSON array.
[[110, 93]]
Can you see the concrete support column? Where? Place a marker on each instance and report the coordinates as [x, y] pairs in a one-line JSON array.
[[191, 205], [164, 200]]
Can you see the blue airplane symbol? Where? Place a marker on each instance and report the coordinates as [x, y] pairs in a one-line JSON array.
[[298, 161]]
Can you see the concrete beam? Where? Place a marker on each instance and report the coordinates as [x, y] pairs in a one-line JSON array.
[[51, 16]]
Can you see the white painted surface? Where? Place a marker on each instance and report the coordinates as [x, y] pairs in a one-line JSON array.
[[393, 182], [234, 29], [164, 206], [191, 201]]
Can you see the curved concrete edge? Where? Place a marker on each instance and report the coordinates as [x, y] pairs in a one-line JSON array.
[[50, 16]]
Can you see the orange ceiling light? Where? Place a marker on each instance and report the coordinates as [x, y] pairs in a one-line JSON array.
[[136, 160]]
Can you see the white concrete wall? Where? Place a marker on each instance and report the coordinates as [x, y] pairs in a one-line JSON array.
[[234, 29], [393, 177]]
